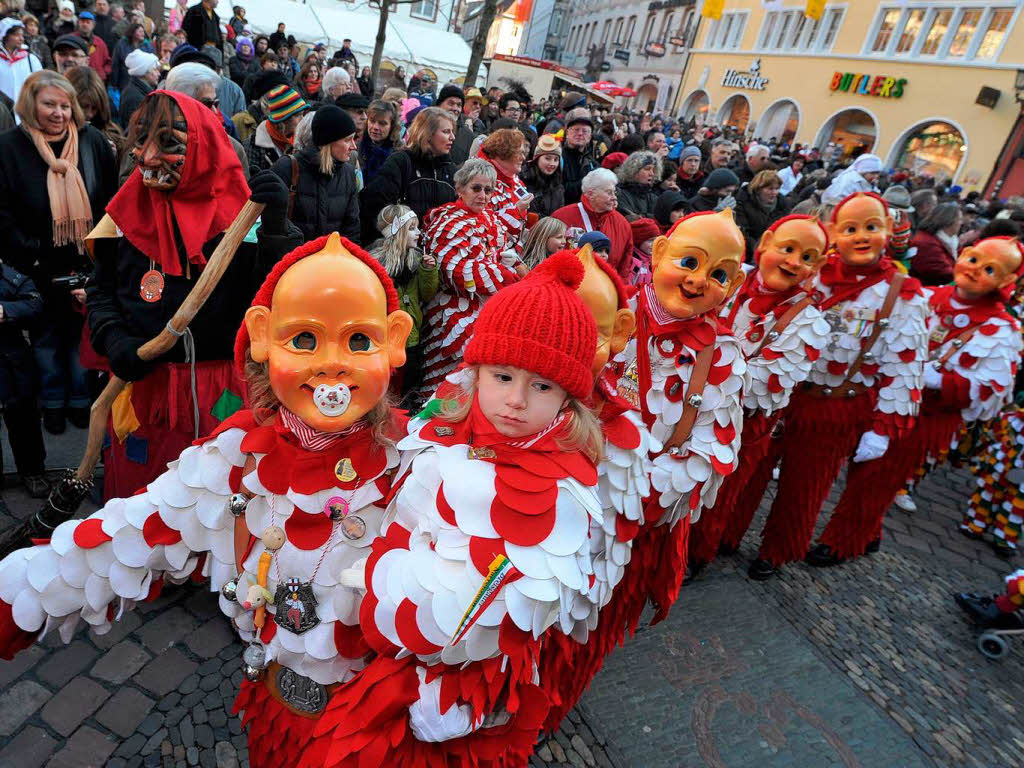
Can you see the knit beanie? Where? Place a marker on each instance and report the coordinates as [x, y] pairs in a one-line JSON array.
[[613, 160], [540, 325], [266, 80], [578, 115], [547, 145], [596, 240], [451, 90], [690, 151], [644, 229], [282, 102], [331, 123], [719, 178], [139, 62]]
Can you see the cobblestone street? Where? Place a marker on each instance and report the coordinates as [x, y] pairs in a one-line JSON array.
[[869, 664]]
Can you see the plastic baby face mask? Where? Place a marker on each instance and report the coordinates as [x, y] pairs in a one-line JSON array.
[[614, 325], [697, 267], [861, 231], [791, 254], [328, 339], [988, 267]]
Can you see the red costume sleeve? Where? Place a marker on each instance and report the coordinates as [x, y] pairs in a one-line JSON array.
[[956, 391]]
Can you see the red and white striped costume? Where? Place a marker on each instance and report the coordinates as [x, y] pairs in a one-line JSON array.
[[508, 191], [180, 527], [824, 421], [659, 364], [777, 362], [970, 379], [467, 247]]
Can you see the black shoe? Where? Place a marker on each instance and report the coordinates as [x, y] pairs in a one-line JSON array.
[[973, 535], [726, 550], [693, 570], [822, 556], [761, 570], [873, 546], [984, 612], [36, 485], [1003, 550], [53, 421], [79, 417]]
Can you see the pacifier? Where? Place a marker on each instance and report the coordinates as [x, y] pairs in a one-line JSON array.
[[332, 400]]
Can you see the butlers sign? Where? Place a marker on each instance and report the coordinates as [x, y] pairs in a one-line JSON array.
[[750, 80]]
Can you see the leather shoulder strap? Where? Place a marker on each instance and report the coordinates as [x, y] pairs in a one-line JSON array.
[[963, 337], [883, 315], [694, 389], [783, 323]]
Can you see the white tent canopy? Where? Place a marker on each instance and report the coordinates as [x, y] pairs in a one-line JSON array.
[[410, 44]]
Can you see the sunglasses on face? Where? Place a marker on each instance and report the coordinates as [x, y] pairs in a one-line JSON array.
[[210, 103], [478, 188]]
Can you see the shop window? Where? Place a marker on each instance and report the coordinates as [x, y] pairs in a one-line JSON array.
[[885, 29], [424, 9], [965, 29], [936, 31], [998, 22], [911, 29], [832, 20]]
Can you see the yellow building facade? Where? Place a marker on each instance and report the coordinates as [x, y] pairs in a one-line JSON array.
[[927, 86]]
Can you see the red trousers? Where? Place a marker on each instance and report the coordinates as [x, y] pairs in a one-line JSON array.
[[820, 436], [741, 492], [871, 486]]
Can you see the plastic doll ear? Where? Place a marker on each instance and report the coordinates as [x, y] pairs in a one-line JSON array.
[[399, 328], [890, 225], [659, 251], [833, 230], [766, 242], [625, 324], [257, 322], [735, 283]]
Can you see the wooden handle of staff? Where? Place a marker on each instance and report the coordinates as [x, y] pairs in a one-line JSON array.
[[165, 340]]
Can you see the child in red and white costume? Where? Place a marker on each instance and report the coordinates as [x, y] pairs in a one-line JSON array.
[[272, 508], [489, 551], [467, 241], [684, 370], [974, 347], [781, 332], [864, 388]]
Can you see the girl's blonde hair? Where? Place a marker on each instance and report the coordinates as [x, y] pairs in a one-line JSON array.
[[535, 248], [426, 123], [394, 252], [582, 430]]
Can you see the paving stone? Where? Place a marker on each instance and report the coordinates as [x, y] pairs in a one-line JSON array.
[[189, 684], [166, 628], [19, 665], [210, 638], [73, 703], [87, 748], [169, 702], [199, 715], [17, 704], [153, 723], [192, 755], [188, 732], [119, 630], [62, 665], [153, 743], [124, 711], [165, 673], [131, 746], [226, 755], [204, 736], [121, 662], [31, 748]]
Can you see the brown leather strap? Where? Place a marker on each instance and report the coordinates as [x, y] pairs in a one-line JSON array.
[[243, 539], [883, 314], [963, 337], [699, 377], [294, 185], [783, 323]]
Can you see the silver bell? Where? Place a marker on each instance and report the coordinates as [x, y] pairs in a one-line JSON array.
[[869, 356], [773, 335], [237, 504], [883, 322], [252, 674], [851, 393], [695, 400], [958, 343], [229, 589], [674, 451], [255, 656], [827, 391]]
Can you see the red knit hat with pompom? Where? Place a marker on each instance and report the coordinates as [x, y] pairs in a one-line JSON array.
[[540, 325], [265, 296]]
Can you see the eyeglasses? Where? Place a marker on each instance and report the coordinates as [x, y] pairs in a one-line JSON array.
[[210, 103], [478, 188]]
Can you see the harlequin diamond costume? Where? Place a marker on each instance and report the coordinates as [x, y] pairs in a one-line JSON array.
[[684, 369], [997, 506], [488, 556], [272, 508], [149, 250], [467, 246], [865, 386], [781, 333], [974, 347]]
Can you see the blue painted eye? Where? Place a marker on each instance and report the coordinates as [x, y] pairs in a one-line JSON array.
[[305, 341], [720, 276], [689, 262], [359, 342]]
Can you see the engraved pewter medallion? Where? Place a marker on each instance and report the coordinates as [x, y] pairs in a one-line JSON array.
[[444, 431], [482, 453], [299, 692], [296, 606]]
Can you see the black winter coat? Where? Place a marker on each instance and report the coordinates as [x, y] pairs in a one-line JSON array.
[[323, 204], [636, 200], [575, 165], [753, 220], [22, 305], [201, 28], [422, 182], [131, 99], [548, 191], [373, 156]]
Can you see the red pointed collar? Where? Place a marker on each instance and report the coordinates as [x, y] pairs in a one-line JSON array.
[[761, 298], [695, 332], [945, 303]]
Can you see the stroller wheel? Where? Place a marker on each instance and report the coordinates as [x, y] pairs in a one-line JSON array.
[[992, 646]]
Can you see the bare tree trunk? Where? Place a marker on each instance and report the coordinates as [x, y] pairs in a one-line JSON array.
[[378, 48], [487, 15]]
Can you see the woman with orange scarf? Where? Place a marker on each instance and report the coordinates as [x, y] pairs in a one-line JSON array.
[[56, 175]]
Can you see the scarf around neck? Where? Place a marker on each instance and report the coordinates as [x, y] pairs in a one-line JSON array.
[[69, 202]]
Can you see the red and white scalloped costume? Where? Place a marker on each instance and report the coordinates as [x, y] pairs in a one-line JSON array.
[[450, 518], [775, 366], [659, 362], [180, 526], [976, 383], [467, 247], [508, 191], [820, 433]]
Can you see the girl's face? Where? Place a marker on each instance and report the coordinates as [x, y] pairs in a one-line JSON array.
[[379, 127], [313, 75], [691, 165], [548, 164], [413, 232], [516, 402], [31, 29], [555, 243], [441, 141]]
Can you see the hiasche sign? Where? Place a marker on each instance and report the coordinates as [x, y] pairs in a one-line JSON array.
[[882, 86], [750, 80]]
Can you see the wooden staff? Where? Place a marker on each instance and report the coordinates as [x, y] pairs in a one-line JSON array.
[[166, 339]]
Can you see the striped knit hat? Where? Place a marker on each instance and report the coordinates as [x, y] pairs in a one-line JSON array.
[[282, 102]]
